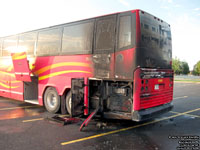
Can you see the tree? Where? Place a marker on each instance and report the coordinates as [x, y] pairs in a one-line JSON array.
[[180, 67], [176, 65], [184, 67], [196, 70]]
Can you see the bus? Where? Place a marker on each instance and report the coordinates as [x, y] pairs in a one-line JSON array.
[[117, 65]]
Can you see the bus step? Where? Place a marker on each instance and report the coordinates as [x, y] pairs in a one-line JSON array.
[[86, 122], [62, 120]]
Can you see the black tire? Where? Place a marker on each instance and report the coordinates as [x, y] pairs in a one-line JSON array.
[[52, 100], [68, 102]]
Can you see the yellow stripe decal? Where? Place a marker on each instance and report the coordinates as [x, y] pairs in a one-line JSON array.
[[17, 54], [9, 68], [9, 74], [19, 57], [61, 72], [62, 64], [7, 86], [10, 81]]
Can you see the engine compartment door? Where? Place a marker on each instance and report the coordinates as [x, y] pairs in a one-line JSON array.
[[77, 103]]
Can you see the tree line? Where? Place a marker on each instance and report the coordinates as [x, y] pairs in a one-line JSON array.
[[182, 67]]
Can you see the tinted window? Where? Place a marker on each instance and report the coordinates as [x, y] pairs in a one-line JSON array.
[[155, 45], [124, 31], [105, 33], [78, 38], [27, 42], [49, 42], [0, 45], [9, 45]]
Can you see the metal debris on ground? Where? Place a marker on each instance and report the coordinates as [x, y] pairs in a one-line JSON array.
[[62, 120]]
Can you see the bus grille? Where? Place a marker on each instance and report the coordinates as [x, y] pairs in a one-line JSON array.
[[155, 99]]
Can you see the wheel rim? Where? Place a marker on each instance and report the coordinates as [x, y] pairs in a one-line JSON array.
[[70, 102], [51, 100]]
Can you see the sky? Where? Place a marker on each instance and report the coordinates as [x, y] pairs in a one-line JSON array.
[[183, 15]]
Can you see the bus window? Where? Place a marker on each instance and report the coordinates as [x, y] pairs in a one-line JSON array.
[[49, 42], [1, 46], [9, 45], [124, 31], [77, 38], [27, 42], [105, 34]]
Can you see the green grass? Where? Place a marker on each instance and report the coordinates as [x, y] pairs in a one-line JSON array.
[[187, 80]]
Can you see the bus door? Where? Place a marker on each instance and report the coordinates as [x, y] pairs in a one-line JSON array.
[[21, 67], [104, 44]]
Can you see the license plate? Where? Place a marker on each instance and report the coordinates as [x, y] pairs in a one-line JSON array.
[[156, 87]]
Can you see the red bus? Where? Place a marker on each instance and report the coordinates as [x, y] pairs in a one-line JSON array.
[[119, 65]]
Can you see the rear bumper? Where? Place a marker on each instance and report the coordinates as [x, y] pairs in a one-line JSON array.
[[146, 114]]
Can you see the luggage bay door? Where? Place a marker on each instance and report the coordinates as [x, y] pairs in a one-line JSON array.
[[77, 90], [21, 66]]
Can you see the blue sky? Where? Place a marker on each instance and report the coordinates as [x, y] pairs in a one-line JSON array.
[[183, 16]]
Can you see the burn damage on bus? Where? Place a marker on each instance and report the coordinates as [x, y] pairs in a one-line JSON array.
[[117, 66], [102, 65], [113, 99]]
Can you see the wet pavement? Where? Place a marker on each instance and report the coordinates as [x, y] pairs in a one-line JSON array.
[[22, 127]]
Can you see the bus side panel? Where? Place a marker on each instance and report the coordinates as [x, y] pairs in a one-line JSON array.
[[5, 76], [125, 64], [4, 84], [17, 90], [57, 71]]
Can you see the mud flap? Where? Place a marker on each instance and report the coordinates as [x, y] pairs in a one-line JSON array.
[[21, 66], [77, 89]]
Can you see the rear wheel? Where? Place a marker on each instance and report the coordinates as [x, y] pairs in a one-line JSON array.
[[69, 102], [52, 100]]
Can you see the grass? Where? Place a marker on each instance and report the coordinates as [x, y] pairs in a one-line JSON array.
[[187, 80]]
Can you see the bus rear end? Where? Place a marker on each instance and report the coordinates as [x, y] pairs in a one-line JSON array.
[[153, 79]]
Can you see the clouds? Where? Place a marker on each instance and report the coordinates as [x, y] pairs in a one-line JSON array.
[[197, 9], [124, 2]]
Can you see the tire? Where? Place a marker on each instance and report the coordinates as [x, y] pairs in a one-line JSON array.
[[68, 102], [52, 100]]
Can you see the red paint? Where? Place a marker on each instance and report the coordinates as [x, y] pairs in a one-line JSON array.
[[150, 96], [21, 67], [138, 33], [136, 89], [86, 92]]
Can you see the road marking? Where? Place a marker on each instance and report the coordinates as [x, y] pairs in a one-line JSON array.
[[33, 120], [180, 97], [38, 119], [185, 114], [128, 128], [17, 107]]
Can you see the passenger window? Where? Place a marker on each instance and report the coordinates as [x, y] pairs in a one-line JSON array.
[[78, 38], [9, 45], [27, 42], [105, 34], [49, 42], [1, 40], [124, 32]]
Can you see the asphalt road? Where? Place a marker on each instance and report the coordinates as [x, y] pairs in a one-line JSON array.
[[22, 127]]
